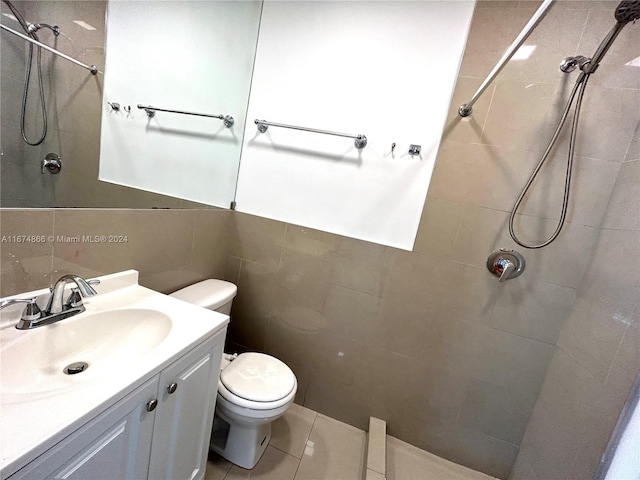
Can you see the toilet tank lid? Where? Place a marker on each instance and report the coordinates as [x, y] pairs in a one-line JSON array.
[[208, 294]]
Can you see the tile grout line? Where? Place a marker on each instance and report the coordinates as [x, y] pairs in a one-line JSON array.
[[305, 445]]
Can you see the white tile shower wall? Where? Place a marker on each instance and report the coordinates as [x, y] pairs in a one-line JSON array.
[[382, 69]]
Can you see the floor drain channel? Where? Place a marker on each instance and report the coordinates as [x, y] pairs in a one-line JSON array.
[[76, 367]]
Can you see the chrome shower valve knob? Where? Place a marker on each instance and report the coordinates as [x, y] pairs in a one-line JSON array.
[[505, 263], [52, 163]]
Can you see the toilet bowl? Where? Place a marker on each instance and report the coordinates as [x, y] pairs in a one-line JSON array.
[[254, 389]]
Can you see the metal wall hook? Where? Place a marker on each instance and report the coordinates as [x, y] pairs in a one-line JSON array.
[[115, 107], [415, 150]]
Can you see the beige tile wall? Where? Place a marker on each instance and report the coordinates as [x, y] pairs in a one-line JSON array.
[[428, 340], [170, 248]]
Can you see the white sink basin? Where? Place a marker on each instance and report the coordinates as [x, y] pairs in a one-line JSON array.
[[107, 341]]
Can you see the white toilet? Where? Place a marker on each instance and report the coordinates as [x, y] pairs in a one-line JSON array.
[[254, 388]]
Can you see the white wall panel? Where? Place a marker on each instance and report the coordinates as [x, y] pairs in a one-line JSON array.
[[195, 56], [385, 69]]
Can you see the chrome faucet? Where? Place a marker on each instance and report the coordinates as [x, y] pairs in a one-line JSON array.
[[56, 304], [57, 309]]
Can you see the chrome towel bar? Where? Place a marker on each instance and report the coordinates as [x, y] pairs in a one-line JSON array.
[[151, 111], [360, 140], [92, 68]]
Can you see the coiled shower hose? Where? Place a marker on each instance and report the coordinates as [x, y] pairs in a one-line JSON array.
[[579, 88], [27, 81]]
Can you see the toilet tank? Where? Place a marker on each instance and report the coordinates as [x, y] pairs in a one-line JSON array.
[[213, 294]]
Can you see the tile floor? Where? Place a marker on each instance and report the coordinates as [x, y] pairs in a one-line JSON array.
[[306, 445]]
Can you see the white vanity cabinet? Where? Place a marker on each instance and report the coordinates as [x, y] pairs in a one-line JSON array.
[[116, 444], [186, 402], [159, 431]]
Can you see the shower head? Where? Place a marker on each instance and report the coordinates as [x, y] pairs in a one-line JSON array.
[[628, 11]]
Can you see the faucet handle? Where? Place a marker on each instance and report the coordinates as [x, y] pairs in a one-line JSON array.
[[75, 297], [31, 310], [74, 300], [505, 263]]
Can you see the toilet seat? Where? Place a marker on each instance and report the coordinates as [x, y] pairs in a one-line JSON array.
[[257, 381]]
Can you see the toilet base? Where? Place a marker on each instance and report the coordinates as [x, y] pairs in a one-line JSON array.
[[241, 444]]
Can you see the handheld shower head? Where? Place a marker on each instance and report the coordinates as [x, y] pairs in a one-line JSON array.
[[628, 11]]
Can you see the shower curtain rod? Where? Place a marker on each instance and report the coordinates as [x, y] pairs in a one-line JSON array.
[[92, 68], [466, 108]]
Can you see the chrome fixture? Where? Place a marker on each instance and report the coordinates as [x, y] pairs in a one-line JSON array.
[[75, 368], [51, 163], [359, 142], [57, 309], [151, 112], [55, 304], [115, 106], [569, 64], [415, 150], [92, 68], [466, 108], [34, 27], [505, 263], [31, 311], [627, 11]]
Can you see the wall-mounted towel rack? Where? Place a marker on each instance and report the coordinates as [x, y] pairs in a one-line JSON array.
[[92, 68], [360, 140], [151, 111]]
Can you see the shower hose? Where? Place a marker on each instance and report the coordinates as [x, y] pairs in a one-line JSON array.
[[579, 88]]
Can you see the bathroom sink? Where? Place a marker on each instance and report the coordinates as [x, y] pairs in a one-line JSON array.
[[107, 341], [127, 336]]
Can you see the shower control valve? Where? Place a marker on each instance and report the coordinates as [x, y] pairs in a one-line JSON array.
[[505, 263], [52, 163]]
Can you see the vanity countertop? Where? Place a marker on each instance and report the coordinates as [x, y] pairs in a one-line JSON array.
[[32, 422]]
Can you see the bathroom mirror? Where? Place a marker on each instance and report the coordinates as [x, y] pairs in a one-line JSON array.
[[183, 55]]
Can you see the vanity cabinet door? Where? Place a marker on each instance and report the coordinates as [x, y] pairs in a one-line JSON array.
[[187, 394], [115, 444]]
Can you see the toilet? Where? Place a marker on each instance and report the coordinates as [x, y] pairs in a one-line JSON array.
[[254, 389]]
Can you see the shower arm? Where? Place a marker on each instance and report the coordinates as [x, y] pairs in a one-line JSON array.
[[466, 108], [92, 68]]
